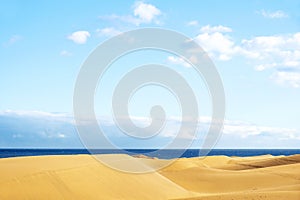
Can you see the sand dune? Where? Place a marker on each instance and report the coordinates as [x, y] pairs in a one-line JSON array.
[[214, 177]]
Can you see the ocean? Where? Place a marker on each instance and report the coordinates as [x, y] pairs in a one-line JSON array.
[[164, 154]]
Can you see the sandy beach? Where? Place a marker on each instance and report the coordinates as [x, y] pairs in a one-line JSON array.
[[214, 177]]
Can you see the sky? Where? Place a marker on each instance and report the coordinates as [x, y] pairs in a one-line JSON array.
[[255, 47]]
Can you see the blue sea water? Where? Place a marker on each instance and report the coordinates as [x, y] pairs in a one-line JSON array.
[[166, 153]]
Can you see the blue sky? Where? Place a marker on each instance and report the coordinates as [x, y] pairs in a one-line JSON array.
[[254, 45]]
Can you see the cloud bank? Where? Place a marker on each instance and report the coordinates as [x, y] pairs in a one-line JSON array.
[[43, 129]]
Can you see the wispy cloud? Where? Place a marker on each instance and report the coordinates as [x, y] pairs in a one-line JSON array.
[[213, 29], [65, 53], [79, 37], [177, 61], [193, 23], [12, 40], [142, 13], [38, 114], [273, 15], [291, 79], [109, 32]]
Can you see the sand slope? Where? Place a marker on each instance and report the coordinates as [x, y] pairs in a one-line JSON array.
[[216, 177], [79, 177]]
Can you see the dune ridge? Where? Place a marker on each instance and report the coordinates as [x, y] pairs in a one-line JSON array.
[[212, 177]]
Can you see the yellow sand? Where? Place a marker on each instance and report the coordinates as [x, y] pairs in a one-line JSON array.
[[214, 177]]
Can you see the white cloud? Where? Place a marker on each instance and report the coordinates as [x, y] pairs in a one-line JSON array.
[[213, 29], [79, 37], [65, 53], [214, 41], [217, 45], [193, 23], [143, 13], [109, 31], [241, 129], [61, 135], [273, 15], [245, 130], [177, 61], [38, 114], [262, 47], [279, 52], [270, 51]]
